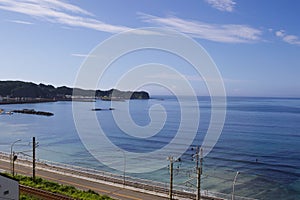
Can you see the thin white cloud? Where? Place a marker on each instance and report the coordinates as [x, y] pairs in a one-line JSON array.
[[280, 33], [56, 11], [59, 5], [222, 5], [227, 33], [20, 22], [291, 39], [81, 55]]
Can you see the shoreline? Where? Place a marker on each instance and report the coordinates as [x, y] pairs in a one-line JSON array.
[[134, 184], [28, 101], [34, 101]]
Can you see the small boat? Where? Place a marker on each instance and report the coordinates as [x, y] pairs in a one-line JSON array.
[[99, 109]]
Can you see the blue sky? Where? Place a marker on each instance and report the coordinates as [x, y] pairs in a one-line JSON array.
[[254, 43]]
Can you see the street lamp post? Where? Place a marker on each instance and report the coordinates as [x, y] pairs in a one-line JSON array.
[[11, 154], [13, 163], [124, 169], [233, 184]]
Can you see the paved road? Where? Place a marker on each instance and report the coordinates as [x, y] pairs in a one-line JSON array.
[[112, 191]]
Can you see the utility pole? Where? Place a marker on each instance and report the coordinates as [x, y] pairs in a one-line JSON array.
[[197, 157], [199, 171], [170, 158], [33, 158]]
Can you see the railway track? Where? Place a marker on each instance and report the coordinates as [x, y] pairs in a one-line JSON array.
[[114, 179], [42, 194]]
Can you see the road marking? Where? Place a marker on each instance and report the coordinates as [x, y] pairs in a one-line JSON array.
[[73, 183]]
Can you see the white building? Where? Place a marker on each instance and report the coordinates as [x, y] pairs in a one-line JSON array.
[[9, 188]]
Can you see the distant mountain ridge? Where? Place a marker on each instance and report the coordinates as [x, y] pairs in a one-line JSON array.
[[20, 89]]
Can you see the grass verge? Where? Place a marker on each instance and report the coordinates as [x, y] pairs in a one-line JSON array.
[[50, 186]]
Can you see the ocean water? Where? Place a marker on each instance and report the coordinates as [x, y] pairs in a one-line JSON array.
[[260, 139]]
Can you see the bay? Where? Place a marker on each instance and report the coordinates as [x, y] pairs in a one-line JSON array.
[[260, 139]]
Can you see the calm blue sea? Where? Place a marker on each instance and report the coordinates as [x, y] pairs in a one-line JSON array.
[[260, 139]]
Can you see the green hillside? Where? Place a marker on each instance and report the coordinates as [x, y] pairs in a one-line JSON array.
[[20, 89]]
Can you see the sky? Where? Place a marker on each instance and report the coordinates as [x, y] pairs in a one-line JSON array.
[[254, 43]]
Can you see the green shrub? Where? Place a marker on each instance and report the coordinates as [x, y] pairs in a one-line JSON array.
[[50, 186]]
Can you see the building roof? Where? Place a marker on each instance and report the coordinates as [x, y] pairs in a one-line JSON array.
[[9, 177]]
